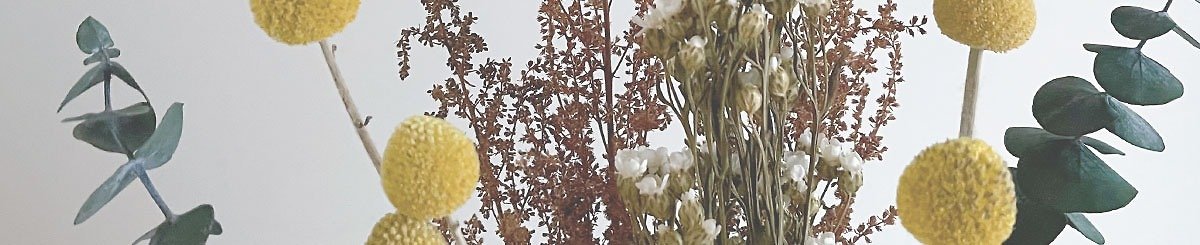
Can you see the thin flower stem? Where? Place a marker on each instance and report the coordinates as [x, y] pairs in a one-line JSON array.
[[351, 109], [966, 126]]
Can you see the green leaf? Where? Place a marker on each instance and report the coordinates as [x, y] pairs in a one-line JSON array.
[[92, 36], [161, 146], [88, 80], [1021, 140], [105, 193], [1100, 146], [1085, 227], [1139, 23], [120, 72], [1070, 106], [97, 57], [193, 227], [135, 125], [1133, 129], [1067, 177], [1035, 223], [1131, 77], [1186, 37]]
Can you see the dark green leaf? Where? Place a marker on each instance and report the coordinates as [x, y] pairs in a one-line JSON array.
[[1139, 23], [1020, 140], [1131, 77], [105, 193], [92, 36], [120, 72], [136, 109], [98, 57], [1187, 37], [1133, 129], [1035, 223], [1070, 106], [1085, 227], [161, 146], [133, 128], [1100, 146], [191, 228], [88, 80], [1067, 177]]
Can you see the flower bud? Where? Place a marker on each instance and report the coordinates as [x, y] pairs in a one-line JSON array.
[[751, 25], [850, 181], [667, 236], [749, 97], [691, 54]]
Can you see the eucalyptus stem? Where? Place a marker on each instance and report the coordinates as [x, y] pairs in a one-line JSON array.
[[158, 200], [966, 126], [351, 108]]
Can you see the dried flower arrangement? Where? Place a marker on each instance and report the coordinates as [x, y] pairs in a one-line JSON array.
[[771, 97]]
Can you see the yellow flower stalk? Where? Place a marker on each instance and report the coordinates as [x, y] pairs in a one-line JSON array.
[[395, 229], [297, 22], [429, 168], [957, 192], [996, 25]]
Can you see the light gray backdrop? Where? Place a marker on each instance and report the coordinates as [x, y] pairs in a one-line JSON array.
[[267, 143]]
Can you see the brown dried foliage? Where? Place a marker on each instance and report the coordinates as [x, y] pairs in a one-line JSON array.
[[537, 135]]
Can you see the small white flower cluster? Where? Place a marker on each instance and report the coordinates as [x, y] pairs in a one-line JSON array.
[[825, 238], [796, 165], [662, 12], [653, 166], [841, 154]]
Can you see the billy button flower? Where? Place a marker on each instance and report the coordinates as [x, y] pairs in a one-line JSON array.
[[395, 229], [957, 192], [429, 168], [995, 25], [297, 22]]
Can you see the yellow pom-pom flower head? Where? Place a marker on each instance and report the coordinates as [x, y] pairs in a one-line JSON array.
[[395, 229], [996, 25], [429, 168], [296, 22], [957, 192]]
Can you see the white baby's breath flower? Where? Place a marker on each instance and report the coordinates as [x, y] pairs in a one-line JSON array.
[[805, 140], [678, 161], [662, 12], [826, 238], [796, 165], [851, 161], [831, 150], [697, 41], [630, 164], [652, 185], [655, 158], [710, 229]]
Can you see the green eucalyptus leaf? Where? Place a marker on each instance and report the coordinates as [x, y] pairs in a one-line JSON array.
[[1021, 140], [88, 80], [1133, 129], [1186, 37], [92, 36], [135, 125], [120, 72], [1100, 146], [98, 56], [1070, 106], [1035, 223], [191, 228], [1131, 77], [161, 146], [1139, 23], [105, 193], [1085, 227], [1067, 177]]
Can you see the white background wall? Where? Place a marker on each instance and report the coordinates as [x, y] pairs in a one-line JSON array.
[[267, 143]]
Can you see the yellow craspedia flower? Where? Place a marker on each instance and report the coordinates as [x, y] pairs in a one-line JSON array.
[[957, 192], [996, 25], [395, 229], [429, 168], [296, 22]]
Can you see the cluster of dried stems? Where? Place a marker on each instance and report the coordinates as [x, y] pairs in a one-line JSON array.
[[543, 171]]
